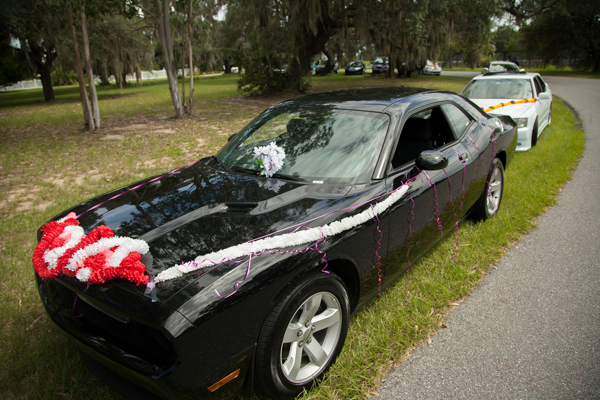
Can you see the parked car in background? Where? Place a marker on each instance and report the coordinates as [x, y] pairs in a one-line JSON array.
[[250, 271], [502, 66], [432, 68], [498, 88], [380, 65], [356, 67], [320, 68]]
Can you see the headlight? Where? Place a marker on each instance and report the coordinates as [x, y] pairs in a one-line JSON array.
[[522, 122]]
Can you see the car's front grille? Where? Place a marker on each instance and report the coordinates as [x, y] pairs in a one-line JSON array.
[[114, 334]]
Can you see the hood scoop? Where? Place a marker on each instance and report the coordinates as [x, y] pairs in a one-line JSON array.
[[240, 207]]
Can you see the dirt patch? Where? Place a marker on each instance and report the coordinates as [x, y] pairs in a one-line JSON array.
[[69, 156], [112, 137]]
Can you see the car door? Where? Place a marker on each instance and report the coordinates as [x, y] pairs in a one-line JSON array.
[[436, 200], [542, 105], [545, 104]]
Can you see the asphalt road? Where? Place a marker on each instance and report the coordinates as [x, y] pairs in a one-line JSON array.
[[531, 330]]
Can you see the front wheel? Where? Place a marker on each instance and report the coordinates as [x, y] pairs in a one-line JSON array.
[[534, 133], [489, 203], [303, 335]]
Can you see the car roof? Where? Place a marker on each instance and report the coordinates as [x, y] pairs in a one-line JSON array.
[[366, 99], [507, 75]]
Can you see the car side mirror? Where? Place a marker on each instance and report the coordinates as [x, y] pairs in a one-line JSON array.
[[485, 70], [544, 96], [431, 160]]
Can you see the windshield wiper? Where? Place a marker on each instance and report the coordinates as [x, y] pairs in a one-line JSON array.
[[275, 175], [288, 177], [245, 170], [221, 163]]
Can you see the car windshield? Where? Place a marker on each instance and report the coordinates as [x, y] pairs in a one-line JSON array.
[[503, 67], [380, 60], [499, 89], [355, 64], [320, 143]]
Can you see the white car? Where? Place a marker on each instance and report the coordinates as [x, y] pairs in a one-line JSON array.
[[432, 68], [496, 90]]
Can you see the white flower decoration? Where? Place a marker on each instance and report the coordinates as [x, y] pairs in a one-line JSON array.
[[273, 184], [269, 158]]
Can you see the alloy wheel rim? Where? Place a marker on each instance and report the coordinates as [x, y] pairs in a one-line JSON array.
[[494, 191], [311, 338]]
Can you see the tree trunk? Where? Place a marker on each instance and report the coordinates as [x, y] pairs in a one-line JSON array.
[[88, 69], [46, 79], [138, 75], [163, 8], [329, 65], [85, 104], [104, 72], [116, 64], [43, 59], [182, 72], [191, 100]]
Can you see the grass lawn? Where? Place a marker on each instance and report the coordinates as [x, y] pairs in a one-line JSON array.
[[48, 163]]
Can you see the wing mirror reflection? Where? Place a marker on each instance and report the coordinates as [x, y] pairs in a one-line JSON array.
[[431, 160]]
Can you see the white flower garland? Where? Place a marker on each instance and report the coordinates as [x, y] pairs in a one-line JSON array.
[[125, 245], [281, 241]]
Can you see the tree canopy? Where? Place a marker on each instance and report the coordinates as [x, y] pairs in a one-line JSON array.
[[275, 42], [562, 29]]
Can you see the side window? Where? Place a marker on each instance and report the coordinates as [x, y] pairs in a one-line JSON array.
[[541, 82], [538, 88], [457, 118], [425, 130]]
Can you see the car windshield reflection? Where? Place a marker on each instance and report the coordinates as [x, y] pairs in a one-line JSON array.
[[324, 144]]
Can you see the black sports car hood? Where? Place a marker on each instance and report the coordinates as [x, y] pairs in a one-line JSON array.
[[198, 210]]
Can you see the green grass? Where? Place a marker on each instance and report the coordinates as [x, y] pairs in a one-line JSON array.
[[47, 164]]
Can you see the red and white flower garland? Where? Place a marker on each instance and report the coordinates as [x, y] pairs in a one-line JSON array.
[[93, 258]]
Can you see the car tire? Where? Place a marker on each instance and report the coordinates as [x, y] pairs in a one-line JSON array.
[[489, 203], [534, 133], [302, 336]]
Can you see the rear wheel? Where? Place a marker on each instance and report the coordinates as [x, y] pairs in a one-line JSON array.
[[489, 203], [303, 335]]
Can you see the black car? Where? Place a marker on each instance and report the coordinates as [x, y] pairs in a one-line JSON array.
[[380, 65], [257, 256], [355, 68]]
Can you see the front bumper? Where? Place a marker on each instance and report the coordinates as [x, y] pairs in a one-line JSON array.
[[137, 348], [524, 138]]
